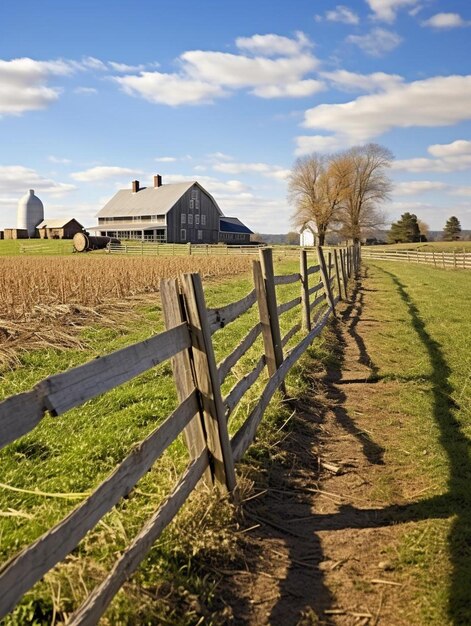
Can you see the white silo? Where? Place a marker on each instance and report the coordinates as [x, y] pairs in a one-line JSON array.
[[30, 213]]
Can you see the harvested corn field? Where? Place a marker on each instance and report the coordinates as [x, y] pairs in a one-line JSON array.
[[45, 301]]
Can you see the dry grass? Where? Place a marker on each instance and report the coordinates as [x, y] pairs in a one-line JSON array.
[[45, 300], [26, 283]]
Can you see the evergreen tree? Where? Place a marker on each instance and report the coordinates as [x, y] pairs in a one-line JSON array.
[[452, 229], [405, 230]]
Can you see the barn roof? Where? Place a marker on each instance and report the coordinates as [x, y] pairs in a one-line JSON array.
[[60, 222], [148, 200], [233, 225]]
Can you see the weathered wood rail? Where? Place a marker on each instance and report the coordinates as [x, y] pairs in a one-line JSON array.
[[202, 414], [450, 260]]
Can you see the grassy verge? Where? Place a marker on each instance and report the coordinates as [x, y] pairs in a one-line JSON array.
[[428, 246], [419, 344], [64, 458]]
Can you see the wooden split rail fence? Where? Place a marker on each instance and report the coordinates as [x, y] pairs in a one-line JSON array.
[[202, 414], [451, 260]]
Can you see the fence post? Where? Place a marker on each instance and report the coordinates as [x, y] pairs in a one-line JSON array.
[[304, 290], [183, 371], [325, 279], [344, 273], [454, 259], [434, 259], [207, 381], [337, 273], [329, 261], [443, 260], [266, 261]]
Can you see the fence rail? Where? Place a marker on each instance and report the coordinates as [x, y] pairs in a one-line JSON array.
[[451, 260], [202, 414]]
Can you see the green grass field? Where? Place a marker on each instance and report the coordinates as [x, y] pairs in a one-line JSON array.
[[435, 246], [420, 343], [46, 473]]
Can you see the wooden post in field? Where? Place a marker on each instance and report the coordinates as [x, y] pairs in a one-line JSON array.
[[269, 321], [337, 274], [454, 259], [325, 279], [329, 261], [306, 313], [344, 273], [207, 382], [183, 370], [443, 260], [434, 259]]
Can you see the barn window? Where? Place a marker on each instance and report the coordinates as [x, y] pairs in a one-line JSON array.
[[197, 220], [183, 218], [203, 220], [190, 219], [183, 234], [200, 235]]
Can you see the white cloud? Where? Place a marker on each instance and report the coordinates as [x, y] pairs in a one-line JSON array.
[[299, 89], [342, 14], [54, 159], [305, 144], [414, 187], [165, 159], [386, 10], [170, 89], [207, 75], [351, 81], [446, 20], [232, 70], [437, 101], [15, 180], [274, 45], [103, 172], [462, 191], [92, 63], [449, 157], [124, 68], [455, 148], [377, 42], [271, 171], [24, 84], [212, 184], [85, 90]]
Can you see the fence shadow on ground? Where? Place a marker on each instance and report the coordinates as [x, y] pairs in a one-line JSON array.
[[455, 503], [303, 584]]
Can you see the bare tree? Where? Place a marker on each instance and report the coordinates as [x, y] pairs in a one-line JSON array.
[[362, 170], [313, 189]]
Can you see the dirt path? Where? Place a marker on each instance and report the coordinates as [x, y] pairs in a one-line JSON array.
[[319, 547]]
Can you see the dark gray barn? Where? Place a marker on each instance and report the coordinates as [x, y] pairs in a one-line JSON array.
[[175, 213]]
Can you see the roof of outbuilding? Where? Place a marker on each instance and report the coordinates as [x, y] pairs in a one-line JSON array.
[[148, 200], [233, 225], [59, 222]]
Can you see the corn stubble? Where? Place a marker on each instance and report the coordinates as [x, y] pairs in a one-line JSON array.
[[43, 300]]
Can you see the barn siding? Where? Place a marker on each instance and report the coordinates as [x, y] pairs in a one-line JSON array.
[[182, 206]]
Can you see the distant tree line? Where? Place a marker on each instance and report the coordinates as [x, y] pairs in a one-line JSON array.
[[409, 229]]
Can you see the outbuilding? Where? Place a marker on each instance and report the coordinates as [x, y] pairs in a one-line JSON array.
[[60, 228]]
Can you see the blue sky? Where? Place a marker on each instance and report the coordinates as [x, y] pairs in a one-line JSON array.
[[94, 94]]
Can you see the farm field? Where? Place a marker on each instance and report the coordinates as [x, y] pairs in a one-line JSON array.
[[386, 540], [385, 391], [428, 246], [49, 471]]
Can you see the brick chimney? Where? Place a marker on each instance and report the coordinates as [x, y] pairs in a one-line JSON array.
[[135, 186], [158, 180]]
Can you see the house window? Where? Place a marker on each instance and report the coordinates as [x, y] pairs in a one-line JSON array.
[[197, 220], [203, 220], [200, 235], [190, 219], [183, 218], [183, 234]]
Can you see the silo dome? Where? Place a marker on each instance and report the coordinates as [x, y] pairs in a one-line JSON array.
[[30, 212]]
